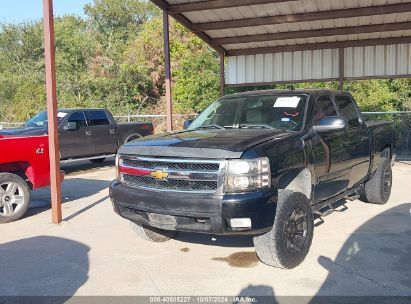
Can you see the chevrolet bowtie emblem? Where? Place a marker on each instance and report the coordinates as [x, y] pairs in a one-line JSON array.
[[159, 174]]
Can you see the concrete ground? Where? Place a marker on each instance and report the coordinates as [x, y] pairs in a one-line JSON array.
[[362, 250]]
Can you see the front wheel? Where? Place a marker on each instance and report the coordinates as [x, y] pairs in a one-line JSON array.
[[152, 234], [287, 244], [14, 197]]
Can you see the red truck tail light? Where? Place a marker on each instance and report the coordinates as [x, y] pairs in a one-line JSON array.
[[149, 128]]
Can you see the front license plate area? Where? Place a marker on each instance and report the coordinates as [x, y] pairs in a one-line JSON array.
[[162, 219]]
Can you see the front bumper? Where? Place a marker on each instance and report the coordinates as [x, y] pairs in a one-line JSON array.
[[194, 212]]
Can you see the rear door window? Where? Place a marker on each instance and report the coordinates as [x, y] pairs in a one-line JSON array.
[[348, 110], [98, 118]]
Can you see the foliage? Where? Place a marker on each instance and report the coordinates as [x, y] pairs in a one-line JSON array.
[[114, 58]]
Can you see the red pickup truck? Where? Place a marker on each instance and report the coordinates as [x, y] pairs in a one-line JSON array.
[[24, 165]]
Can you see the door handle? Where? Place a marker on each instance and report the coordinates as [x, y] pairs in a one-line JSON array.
[[88, 133], [112, 131]]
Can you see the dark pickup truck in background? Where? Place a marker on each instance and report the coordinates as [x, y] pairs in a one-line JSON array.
[[260, 163], [85, 133]]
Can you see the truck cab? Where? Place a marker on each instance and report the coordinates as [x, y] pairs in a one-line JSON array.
[[85, 133]]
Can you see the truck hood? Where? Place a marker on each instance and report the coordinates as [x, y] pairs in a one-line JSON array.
[[23, 132], [228, 143]]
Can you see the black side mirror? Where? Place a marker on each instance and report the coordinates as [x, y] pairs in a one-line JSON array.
[[70, 126], [331, 124], [187, 123]]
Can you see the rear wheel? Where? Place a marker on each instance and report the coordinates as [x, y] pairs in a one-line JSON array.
[[378, 189], [98, 160], [152, 234], [288, 242], [14, 197]]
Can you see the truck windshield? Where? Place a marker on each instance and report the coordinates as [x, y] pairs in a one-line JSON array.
[[40, 120], [279, 111]]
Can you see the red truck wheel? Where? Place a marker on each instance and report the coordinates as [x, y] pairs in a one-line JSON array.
[[14, 197]]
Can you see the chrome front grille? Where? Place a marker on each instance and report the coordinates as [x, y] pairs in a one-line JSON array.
[[196, 166], [170, 174], [176, 185]]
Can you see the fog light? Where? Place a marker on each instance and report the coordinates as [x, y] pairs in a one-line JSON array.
[[240, 223]]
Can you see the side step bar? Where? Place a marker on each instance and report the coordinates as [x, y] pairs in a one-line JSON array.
[[70, 160], [351, 195]]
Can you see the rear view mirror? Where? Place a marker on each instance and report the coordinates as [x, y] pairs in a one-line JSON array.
[[331, 124], [70, 126], [187, 123]]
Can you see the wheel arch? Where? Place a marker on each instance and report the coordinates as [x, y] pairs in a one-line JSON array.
[[299, 180], [19, 168], [128, 137]]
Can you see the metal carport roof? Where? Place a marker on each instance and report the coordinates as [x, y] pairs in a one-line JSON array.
[[268, 41]]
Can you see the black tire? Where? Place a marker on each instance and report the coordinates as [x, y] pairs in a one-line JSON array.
[[378, 189], [10, 210], [98, 160], [152, 234], [275, 248]]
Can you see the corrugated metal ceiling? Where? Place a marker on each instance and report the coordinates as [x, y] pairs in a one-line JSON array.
[[376, 36], [284, 8], [202, 18]]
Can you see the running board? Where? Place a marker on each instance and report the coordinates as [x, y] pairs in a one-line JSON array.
[[70, 160], [329, 203], [352, 197]]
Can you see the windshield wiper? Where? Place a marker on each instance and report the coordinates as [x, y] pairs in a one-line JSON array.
[[254, 126], [213, 126]]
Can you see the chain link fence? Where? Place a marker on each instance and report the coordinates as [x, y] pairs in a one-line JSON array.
[[5, 125], [159, 121]]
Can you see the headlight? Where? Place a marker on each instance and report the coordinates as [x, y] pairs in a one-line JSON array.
[[248, 175]]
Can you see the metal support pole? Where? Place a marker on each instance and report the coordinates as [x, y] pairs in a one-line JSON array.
[[341, 68], [222, 74], [54, 151], [169, 101]]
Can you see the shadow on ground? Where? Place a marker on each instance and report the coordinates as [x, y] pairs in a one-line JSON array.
[[374, 262], [86, 166], [43, 265], [378, 253], [72, 189], [215, 240]]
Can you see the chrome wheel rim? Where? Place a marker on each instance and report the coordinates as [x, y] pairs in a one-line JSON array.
[[296, 231], [11, 199]]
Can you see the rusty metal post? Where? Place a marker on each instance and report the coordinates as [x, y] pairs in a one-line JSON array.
[[54, 151], [341, 64], [169, 101], [222, 74]]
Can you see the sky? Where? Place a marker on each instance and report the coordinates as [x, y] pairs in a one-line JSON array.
[[14, 11]]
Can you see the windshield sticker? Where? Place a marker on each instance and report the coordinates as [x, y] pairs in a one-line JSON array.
[[287, 102], [61, 114]]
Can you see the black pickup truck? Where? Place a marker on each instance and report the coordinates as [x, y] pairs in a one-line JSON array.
[[260, 163], [85, 133]]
